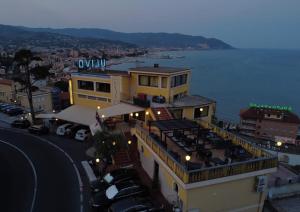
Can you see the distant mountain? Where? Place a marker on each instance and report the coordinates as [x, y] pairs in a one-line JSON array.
[[152, 40], [24, 37]]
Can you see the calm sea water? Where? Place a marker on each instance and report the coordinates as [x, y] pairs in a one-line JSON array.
[[235, 78]]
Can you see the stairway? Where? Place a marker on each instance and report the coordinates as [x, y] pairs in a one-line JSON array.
[[121, 158], [164, 113]]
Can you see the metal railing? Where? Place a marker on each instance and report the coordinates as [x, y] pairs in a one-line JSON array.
[[264, 160]]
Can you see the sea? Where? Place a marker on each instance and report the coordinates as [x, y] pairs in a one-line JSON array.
[[235, 78]]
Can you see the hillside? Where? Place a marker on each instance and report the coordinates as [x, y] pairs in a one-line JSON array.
[[25, 37], [148, 40]]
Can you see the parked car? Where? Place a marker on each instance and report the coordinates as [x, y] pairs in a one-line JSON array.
[[71, 131], [82, 135], [117, 192], [21, 123], [134, 204], [15, 111], [4, 108], [61, 130], [38, 129], [113, 177]]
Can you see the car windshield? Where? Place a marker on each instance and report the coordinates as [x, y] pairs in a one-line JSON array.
[[111, 192], [108, 178]]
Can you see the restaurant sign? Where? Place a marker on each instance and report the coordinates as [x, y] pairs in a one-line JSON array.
[[273, 107], [91, 63]]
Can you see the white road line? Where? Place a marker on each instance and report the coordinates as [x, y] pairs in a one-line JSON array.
[[74, 166], [67, 155], [33, 169]]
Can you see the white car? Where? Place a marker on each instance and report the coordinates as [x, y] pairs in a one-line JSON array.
[[61, 130], [82, 135]]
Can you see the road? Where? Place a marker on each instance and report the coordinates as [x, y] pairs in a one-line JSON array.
[[29, 162]]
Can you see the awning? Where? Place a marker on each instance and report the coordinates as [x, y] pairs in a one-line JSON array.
[[78, 114], [119, 109]]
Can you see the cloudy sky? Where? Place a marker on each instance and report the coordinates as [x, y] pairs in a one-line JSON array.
[[242, 23]]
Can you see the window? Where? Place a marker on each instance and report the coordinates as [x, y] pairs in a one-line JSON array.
[[178, 80], [201, 112], [151, 81], [164, 82], [103, 87], [86, 85]]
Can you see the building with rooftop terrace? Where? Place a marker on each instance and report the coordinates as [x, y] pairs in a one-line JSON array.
[[270, 123]]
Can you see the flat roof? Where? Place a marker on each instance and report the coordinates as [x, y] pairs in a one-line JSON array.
[[192, 101], [99, 72], [159, 69]]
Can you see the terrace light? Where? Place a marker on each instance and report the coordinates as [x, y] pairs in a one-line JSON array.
[[98, 107], [158, 112], [131, 114], [187, 158], [147, 113], [136, 114], [102, 116], [279, 143], [201, 109], [129, 142], [97, 160], [114, 143]]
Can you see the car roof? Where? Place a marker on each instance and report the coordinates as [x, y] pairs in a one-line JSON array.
[[130, 202], [126, 184], [121, 171]]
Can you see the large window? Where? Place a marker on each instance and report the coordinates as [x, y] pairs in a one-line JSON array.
[[179, 80], [103, 87], [151, 81], [86, 85], [201, 112]]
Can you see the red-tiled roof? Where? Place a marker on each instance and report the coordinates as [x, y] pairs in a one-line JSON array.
[[6, 82], [255, 113]]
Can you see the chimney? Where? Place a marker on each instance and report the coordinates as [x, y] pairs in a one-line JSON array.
[[156, 65]]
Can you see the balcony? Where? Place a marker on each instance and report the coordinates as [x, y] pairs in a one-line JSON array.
[[261, 160]]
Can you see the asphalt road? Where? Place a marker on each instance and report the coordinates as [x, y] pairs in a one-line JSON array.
[[58, 183]]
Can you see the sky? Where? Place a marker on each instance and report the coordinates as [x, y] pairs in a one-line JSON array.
[[241, 23]]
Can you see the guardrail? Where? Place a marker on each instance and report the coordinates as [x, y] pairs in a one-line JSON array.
[[264, 160]]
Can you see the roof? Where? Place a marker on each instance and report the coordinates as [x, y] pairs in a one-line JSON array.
[[152, 69], [192, 101], [78, 114], [175, 124], [6, 82], [255, 113], [119, 109], [99, 72]]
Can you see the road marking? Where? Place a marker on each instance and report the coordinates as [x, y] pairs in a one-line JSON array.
[[33, 169], [65, 153], [73, 164]]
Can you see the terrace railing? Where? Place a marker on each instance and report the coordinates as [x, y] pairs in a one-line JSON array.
[[265, 161]]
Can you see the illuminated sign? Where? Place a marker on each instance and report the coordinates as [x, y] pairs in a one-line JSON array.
[[91, 63], [273, 107]]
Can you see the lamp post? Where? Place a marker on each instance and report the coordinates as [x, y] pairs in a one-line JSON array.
[[187, 159], [278, 144]]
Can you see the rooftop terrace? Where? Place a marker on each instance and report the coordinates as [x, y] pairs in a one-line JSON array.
[[213, 153]]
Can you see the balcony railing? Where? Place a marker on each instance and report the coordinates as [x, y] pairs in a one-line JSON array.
[[264, 160]]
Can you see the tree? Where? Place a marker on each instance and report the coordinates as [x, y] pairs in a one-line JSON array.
[[23, 58], [107, 143]]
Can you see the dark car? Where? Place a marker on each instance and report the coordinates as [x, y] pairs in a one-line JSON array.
[[71, 131], [113, 177], [15, 111], [134, 204], [38, 129], [4, 108], [117, 192], [24, 123]]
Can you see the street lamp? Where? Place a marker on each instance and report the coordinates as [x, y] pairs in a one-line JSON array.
[[114, 143], [102, 116], [97, 160], [147, 113], [187, 159], [129, 142], [278, 144], [158, 112], [201, 109], [98, 107]]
